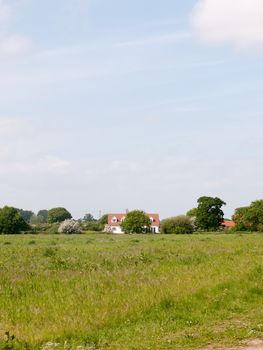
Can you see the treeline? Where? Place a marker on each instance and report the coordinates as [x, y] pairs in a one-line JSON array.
[[55, 220], [206, 216]]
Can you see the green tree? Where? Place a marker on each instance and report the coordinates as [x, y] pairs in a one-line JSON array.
[[104, 219], [11, 221], [89, 218], [255, 215], [37, 219], [26, 214], [177, 225], [136, 221], [58, 215], [241, 219], [209, 215], [192, 213], [44, 214]]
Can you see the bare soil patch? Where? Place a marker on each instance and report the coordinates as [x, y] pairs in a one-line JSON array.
[[256, 344]]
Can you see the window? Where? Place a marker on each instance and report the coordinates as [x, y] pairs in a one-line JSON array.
[[114, 220], [152, 219]]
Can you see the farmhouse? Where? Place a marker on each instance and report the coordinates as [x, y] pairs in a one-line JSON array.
[[115, 220], [228, 224]]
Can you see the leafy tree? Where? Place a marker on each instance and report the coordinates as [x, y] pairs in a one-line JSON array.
[[58, 215], [249, 218], [254, 215], [89, 218], [178, 225], [209, 215], [136, 222], [44, 214], [104, 219], [241, 220], [26, 214], [37, 219], [11, 221], [192, 213]]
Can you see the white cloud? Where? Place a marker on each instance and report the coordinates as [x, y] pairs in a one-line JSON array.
[[239, 22], [47, 165], [4, 11], [10, 126], [15, 45], [11, 44]]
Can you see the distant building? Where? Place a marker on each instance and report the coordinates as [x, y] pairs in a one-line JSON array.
[[228, 223], [115, 220]]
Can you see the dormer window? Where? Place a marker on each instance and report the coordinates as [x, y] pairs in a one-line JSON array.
[[123, 218], [114, 220], [152, 219]]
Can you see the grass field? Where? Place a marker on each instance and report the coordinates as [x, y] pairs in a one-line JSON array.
[[130, 292]]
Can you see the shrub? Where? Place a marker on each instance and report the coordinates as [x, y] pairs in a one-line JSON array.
[[177, 225], [52, 229], [260, 228], [70, 226], [94, 226]]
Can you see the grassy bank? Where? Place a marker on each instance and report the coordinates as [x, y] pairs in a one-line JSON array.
[[131, 292]]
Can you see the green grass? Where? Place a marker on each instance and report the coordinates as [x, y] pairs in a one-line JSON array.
[[130, 292]]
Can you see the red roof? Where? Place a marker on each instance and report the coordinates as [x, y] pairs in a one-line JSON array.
[[229, 223], [116, 219]]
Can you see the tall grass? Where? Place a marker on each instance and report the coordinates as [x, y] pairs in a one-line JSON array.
[[130, 292]]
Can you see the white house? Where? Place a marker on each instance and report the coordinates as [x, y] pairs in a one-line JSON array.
[[115, 220]]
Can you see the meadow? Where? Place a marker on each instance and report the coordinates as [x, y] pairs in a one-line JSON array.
[[133, 292]]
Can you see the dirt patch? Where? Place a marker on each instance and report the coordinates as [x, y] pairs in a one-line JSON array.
[[256, 344]]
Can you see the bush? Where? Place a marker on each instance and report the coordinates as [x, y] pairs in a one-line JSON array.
[[177, 225], [94, 226], [260, 228], [70, 226], [52, 229]]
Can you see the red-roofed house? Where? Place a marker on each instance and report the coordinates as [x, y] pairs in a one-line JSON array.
[[115, 220], [228, 223]]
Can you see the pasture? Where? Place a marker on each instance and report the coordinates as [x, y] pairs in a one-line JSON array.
[[133, 292]]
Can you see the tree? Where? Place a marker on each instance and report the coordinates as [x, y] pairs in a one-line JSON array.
[[209, 215], [44, 214], [70, 226], [37, 219], [26, 214], [11, 221], [104, 219], [241, 220], [89, 218], [192, 213], [58, 215], [179, 225], [254, 215], [249, 218], [136, 221]]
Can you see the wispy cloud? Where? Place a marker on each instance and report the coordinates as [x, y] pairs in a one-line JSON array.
[[157, 39]]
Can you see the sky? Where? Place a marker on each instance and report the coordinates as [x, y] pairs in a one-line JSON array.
[[114, 105]]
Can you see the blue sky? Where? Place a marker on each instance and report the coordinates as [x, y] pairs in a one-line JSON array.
[[108, 105]]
